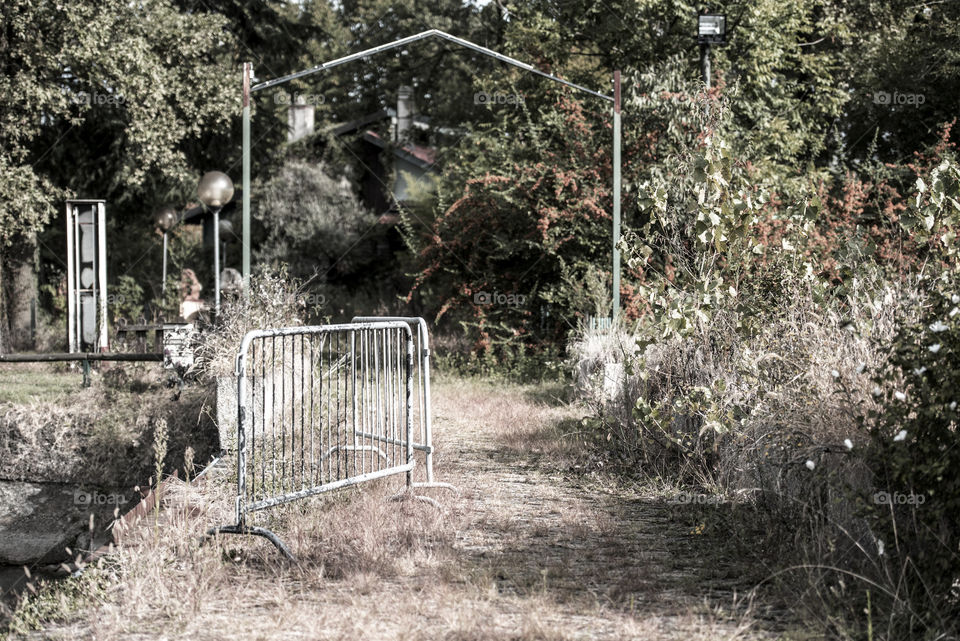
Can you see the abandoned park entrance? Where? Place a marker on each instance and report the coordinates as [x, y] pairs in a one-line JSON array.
[[321, 408]]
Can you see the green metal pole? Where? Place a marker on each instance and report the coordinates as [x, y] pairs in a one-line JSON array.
[[616, 194], [247, 72]]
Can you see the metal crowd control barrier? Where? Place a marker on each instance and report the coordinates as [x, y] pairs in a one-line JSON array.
[[320, 408], [423, 434]]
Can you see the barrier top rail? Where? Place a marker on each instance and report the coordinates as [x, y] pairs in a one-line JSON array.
[[314, 329]]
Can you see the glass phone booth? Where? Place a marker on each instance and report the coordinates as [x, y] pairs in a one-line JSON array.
[[87, 275]]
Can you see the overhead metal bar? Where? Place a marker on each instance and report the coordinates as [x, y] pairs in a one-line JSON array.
[[432, 33]]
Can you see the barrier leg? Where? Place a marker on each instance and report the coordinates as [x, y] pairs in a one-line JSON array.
[[409, 494], [443, 486], [253, 531]]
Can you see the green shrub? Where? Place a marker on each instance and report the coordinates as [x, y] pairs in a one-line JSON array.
[[315, 226], [508, 361], [126, 300], [914, 457]]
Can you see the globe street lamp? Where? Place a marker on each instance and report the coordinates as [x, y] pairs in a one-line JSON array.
[[165, 218], [215, 190]]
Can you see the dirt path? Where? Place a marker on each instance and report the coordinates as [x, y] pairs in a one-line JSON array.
[[528, 550], [600, 560]]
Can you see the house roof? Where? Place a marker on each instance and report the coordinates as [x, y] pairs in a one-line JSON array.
[[423, 157]]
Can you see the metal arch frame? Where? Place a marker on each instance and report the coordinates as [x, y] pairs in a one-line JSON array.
[[431, 33]]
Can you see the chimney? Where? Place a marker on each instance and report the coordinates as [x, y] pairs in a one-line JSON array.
[[405, 110], [300, 118]]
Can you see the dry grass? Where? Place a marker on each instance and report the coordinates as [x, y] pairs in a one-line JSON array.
[[523, 419], [735, 411], [522, 553], [275, 300], [103, 434]]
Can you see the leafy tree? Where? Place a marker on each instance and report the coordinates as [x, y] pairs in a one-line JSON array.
[[899, 64], [314, 224], [438, 71], [278, 38], [786, 76], [100, 100]]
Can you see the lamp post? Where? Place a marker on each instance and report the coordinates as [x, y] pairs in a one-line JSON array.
[[215, 190], [165, 218], [711, 29]]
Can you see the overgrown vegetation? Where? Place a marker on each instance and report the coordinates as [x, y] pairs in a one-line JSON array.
[[785, 359], [315, 227]]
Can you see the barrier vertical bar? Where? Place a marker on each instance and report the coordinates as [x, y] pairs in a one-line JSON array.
[[428, 414], [241, 406], [378, 404], [409, 408], [329, 406], [263, 414], [273, 414], [313, 465], [241, 372]]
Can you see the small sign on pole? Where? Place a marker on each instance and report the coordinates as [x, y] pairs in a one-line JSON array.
[[86, 275], [712, 28]]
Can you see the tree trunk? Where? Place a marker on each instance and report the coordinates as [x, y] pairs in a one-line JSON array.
[[19, 291], [4, 342]]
